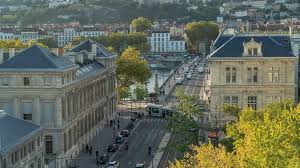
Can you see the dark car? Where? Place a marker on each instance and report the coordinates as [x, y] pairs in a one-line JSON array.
[[112, 148], [125, 133], [120, 139], [103, 159]]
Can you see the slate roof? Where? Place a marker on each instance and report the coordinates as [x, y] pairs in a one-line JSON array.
[[87, 46], [14, 131], [272, 46], [89, 69], [36, 57]]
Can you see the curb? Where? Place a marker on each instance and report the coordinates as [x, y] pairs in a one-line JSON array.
[[157, 157]]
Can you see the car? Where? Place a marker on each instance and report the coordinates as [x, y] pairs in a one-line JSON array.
[[140, 165], [103, 159], [189, 76], [120, 139], [112, 148], [113, 164], [179, 80], [125, 133]]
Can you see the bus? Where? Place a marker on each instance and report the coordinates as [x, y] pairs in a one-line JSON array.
[[157, 110]]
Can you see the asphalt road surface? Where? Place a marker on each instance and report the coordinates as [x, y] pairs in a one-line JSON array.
[[149, 132]]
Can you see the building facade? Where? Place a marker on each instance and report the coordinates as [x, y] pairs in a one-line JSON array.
[[22, 144], [70, 96], [252, 71], [161, 41]]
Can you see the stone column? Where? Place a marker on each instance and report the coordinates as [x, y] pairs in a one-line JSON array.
[[16, 107], [37, 109], [58, 112]]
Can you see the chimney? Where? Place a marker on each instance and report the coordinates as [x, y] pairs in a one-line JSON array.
[[11, 52], [55, 51], [94, 49], [80, 58], [1, 56], [61, 51]]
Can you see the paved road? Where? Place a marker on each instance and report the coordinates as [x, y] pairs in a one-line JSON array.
[[194, 87], [150, 131]]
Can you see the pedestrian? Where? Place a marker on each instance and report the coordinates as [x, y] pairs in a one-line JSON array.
[[86, 148], [118, 121], [118, 126], [97, 160], [91, 150]]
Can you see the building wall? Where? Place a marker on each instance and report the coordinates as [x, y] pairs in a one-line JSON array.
[[69, 109], [25, 155], [265, 90]]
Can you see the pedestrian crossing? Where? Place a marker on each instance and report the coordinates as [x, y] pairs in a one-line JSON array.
[[154, 120]]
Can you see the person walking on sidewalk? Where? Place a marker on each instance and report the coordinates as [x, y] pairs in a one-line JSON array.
[[86, 148], [91, 150]]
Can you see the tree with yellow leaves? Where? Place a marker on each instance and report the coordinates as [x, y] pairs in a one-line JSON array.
[[267, 138]]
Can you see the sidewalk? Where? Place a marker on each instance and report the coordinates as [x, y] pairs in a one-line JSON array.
[[100, 143], [157, 157]]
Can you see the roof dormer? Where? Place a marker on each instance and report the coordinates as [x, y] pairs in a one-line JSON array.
[[252, 48]]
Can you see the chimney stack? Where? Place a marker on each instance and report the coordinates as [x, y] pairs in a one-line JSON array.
[[11, 52], [55, 51], [1, 56]]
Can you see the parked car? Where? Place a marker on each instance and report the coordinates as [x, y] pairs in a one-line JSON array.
[[113, 164], [103, 159], [125, 133], [179, 80], [189, 76], [140, 165], [112, 148], [120, 139]]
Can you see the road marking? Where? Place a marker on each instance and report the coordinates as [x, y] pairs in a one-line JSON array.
[[157, 157]]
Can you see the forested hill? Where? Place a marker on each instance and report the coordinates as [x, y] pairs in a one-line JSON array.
[[102, 11]]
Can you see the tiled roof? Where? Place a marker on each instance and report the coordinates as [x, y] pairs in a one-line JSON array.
[[36, 57], [272, 46], [87, 46], [14, 131]]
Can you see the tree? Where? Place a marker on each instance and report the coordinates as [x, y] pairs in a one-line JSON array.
[[265, 138], [49, 42], [232, 110], [131, 68], [201, 31], [32, 42], [6, 44], [141, 24], [77, 40], [206, 156], [140, 92], [182, 120]]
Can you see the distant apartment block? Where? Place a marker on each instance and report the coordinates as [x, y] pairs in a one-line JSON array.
[[69, 95], [252, 70], [22, 144], [67, 35], [161, 41]]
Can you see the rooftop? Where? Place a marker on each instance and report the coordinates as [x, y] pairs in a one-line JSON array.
[[233, 45], [14, 131], [36, 58], [87, 46]]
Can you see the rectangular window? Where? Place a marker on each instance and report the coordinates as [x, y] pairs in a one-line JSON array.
[[228, 75], [47, 81], [254, 51], [49, 144], [233, 75], [27, 110], [270, 75], [255, 74], [5, 81], [252, 74], [249, 75], [26, 81], [227, 99], [234, 100], [252, 102]]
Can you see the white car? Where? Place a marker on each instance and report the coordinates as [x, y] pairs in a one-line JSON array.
[[113, 164], [179, 80], [189, 76], [140, 165]]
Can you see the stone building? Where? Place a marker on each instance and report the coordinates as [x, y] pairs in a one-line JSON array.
[[252, 70], [21, 144], [70, 95]]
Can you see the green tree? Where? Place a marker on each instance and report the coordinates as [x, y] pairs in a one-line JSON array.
[[123, 92], [77, 40], [6, 44], [49, 42], [131, 68], [182, 120], [32, 42], [201, 31], [141, 24], [140, 92]]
